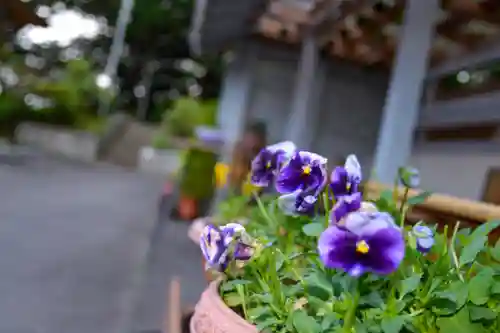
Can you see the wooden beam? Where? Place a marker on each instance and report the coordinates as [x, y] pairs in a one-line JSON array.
[[481, 108], [473, 60]]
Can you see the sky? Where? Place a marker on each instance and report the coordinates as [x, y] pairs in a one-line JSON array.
[[64, 26]]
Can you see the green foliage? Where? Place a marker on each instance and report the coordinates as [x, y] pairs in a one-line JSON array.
[[285, 288], [71, 92], [199, 176]]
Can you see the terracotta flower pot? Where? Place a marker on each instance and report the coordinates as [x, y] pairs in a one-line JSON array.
[[187, 208], [208, 275], [211, 315]]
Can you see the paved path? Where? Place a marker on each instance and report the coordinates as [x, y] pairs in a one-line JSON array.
[[73, 244]]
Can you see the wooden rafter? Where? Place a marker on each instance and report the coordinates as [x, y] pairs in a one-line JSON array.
[[366, 31]]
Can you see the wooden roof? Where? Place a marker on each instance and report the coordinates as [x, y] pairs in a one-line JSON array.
[[20, 13], [366, 31]]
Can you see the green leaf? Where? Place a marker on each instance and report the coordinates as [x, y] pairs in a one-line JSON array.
[[319, 286], [373, 299], [313, 229], [387, 196], [495, 251], [329, 320], [459, 323], [478, 313], [487, 227], [304, 323], [259, 313], [409, 285], [495, 289], [448, 302], [419, 198], [480, 285], [230, 285], [393, 325], [268, 322], [232, 300], [478, 239]]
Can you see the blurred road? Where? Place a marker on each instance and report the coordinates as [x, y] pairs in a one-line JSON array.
[[74, 246]]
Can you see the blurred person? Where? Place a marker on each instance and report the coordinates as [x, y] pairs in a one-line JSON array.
[[253, 141], [234, 177]]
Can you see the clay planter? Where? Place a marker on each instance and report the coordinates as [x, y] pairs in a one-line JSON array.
[[211, 315], [208, 276]]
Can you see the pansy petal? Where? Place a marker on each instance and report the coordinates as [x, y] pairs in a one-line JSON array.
[[286, 203], [387, 250], [353, 168], [338, 181], [336, 248], [367, 223], [356, 270], [289, 178], [313, 157], [287, 147], [425, 244], [368, 207], [305, 204]]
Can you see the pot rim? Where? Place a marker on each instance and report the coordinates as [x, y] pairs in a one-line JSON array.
[[221, 307]]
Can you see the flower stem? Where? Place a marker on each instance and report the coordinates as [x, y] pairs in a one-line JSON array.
[[241, 292], [453, 252], [327, 208], [350, 316], [402, 208]]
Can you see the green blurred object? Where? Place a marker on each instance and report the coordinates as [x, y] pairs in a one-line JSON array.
[[199, 177], [198, 180]]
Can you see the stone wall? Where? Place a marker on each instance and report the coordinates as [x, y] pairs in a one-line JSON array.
[[79, 145]]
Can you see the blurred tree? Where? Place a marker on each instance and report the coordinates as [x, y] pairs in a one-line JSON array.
[[157, 33]]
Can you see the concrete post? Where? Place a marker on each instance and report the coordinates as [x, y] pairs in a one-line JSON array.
[[402, 106], [305, 108]]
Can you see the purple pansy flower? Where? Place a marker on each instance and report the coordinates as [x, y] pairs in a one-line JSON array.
[[304, 171], [409, 177], [345, 205], [345, 180], [367, 242], [209, 135], [221, 245], [267, 163], [424, 237], [298, 203]]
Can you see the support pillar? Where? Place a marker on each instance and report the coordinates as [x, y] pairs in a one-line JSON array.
[[403, 100], [233, 105], [305, 106], [235, 98]]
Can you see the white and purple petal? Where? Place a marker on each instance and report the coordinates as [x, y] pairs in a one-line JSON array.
[[424, 237], [366, 223], [297, 203], [213, 247], [353, 168], [344, 206], [286, 148]]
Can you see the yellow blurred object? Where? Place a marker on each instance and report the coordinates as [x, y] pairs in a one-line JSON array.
[[221, 174], [247, 188]]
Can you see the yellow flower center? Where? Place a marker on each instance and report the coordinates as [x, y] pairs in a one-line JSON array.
[[362, 247], [268, 165], [306, 169], [348, 186]]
